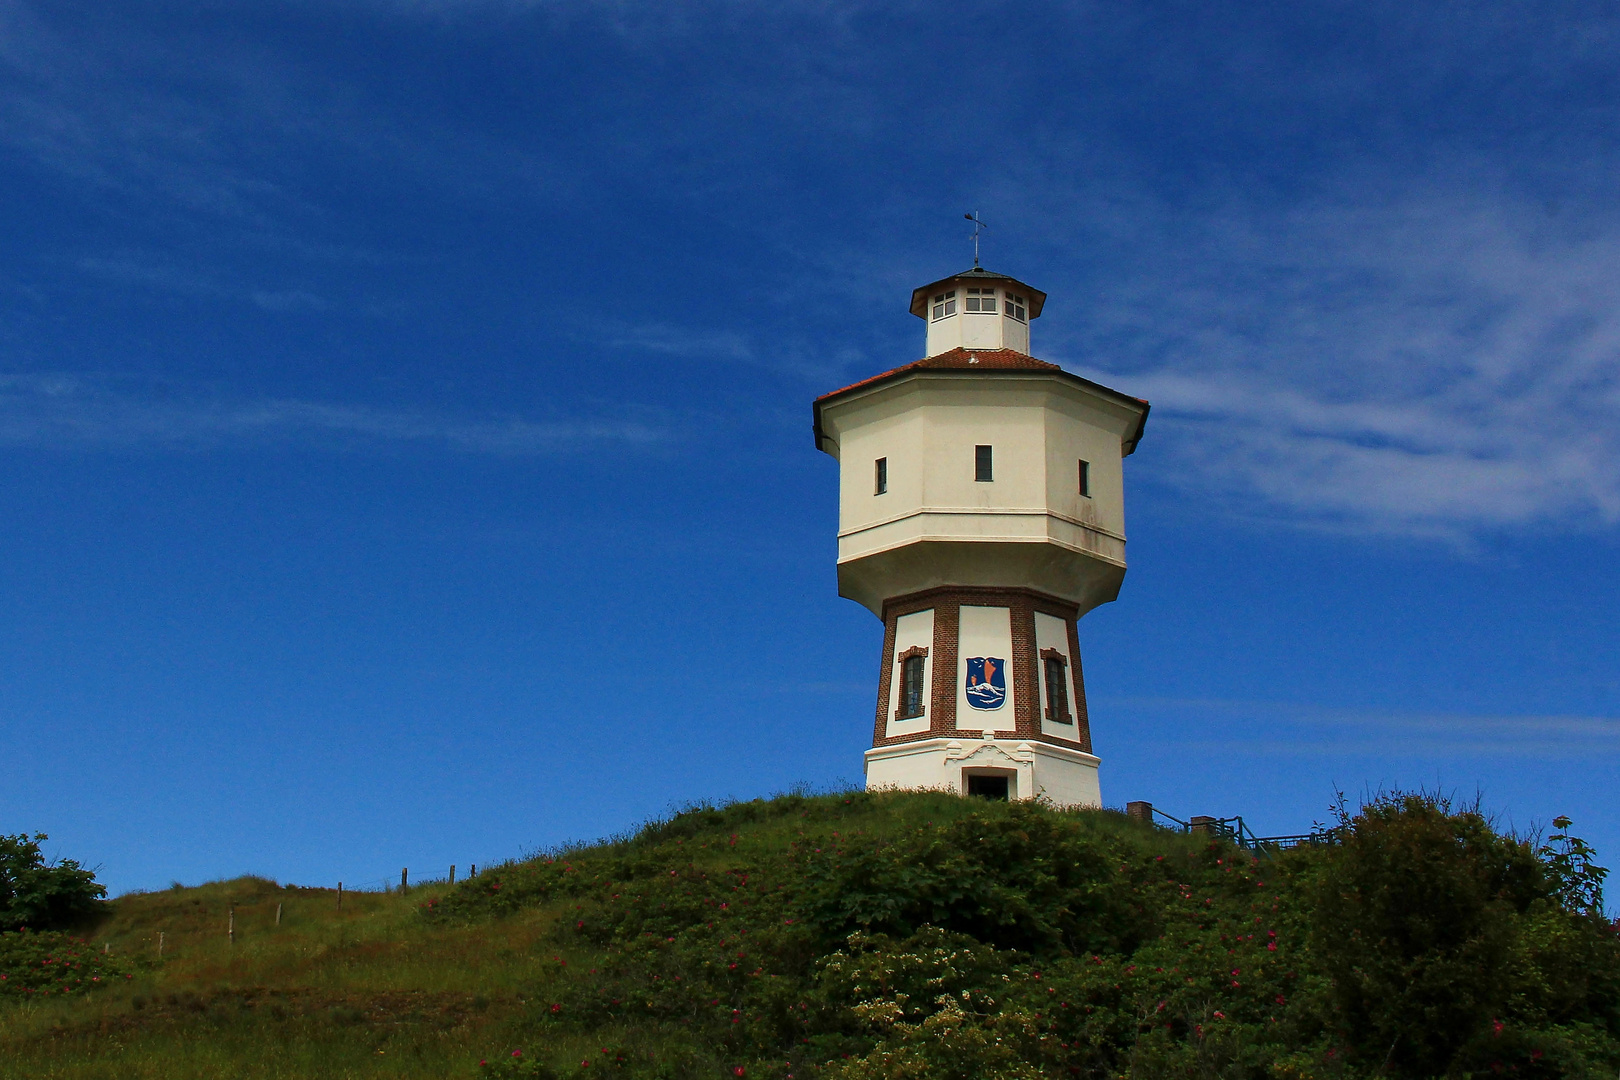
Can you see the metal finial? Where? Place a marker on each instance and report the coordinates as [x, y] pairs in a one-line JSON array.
[[978, 226]]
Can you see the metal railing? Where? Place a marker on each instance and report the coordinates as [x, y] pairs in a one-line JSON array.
[[1232, 829]]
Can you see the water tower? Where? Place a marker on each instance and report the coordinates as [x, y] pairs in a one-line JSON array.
[[981, 512]]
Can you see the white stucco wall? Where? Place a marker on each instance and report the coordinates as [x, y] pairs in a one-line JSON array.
[[976, 330], [915, 629], [984, 632], [926, 426], [1053, 633], [1035, 769]]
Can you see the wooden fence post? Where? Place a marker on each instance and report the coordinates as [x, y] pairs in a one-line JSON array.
[[452, 873], [340, 896], [160, 944], [230, 930], [404, 884], [278, 914]]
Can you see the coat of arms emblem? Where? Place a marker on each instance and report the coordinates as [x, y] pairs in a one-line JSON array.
[[986, 682]]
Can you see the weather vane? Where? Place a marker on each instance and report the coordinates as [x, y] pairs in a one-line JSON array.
[[978, 227]]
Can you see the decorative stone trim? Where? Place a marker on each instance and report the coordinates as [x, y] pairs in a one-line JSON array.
[[1059, 714], [913, 653]]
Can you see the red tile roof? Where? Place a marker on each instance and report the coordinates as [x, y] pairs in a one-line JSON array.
[[1001, 359], [980, 360]]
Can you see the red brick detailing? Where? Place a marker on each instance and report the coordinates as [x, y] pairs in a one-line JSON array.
[[947, 624], [947, 604], [1026, 720], [1082, 718], [880, 729]]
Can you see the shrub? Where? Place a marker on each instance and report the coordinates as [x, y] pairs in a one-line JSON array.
[[1450, 949], [41, 895], [51, 962]]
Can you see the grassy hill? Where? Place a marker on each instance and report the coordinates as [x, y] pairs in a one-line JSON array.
[[894, 935]]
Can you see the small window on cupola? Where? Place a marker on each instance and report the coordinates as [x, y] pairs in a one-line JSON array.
[[1013, 306], [945, 304], [981, 300]]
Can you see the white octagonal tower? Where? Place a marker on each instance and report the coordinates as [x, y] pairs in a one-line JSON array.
[[981, 512]]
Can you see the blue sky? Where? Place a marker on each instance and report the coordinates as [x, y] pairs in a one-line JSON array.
[[404, 406]]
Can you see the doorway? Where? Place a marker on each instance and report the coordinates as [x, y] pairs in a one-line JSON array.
[[987, 787]]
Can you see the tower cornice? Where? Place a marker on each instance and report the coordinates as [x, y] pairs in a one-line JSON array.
[[981, 362]]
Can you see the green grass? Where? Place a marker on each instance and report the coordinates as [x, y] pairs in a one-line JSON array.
[[371, 990], [868, 935]]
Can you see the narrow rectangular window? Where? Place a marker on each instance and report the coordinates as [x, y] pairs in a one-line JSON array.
[[911, 679], [1085, 479], [912, 693], [880, 476], [1057, 687], [981, 464]]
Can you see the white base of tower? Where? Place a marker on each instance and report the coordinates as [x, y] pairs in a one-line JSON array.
[[1033, 769]]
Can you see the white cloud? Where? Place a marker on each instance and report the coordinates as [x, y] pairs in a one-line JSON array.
[[1442, 365], [77, 410], [1282, 728]]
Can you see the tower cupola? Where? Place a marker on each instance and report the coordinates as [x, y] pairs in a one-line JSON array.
[[977, 309]]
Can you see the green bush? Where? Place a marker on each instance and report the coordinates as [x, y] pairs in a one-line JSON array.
[[44, 896], [1449, 949], [40, 964]]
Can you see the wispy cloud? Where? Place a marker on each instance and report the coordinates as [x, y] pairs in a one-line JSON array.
[[795, 354], [1442, 365], [67, 410], [1281, 728]]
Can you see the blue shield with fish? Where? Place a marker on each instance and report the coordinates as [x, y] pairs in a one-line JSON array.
[[986, 682]]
